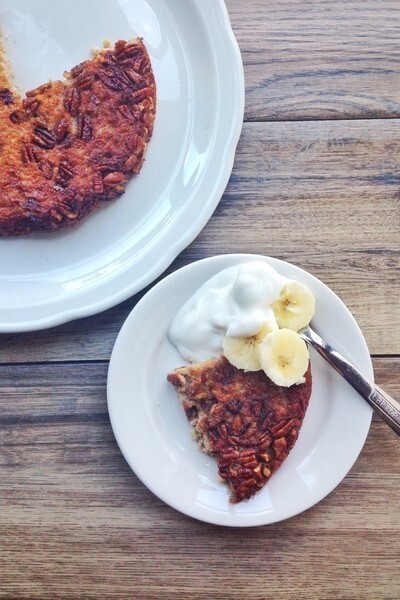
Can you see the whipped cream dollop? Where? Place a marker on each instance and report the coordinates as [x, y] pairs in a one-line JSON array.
[[234, 302]]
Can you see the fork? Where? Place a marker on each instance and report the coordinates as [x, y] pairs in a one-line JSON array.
[[387, 407]]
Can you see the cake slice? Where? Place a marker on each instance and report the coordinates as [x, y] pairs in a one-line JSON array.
[[243, 419], [68, 145]]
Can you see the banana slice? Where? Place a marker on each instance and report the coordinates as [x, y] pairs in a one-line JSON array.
[[242, 351], [295, 307], [284, 357]]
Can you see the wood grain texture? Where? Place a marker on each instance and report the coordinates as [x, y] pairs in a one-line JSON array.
[[312, 194], [318, 59], [324, 196], [315, 182], [77, 523]]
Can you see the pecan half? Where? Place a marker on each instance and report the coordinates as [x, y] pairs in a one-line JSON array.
[[136, 144], [85, 127], [43, 137], [114, 184], [124, 50], [65, 172], [136, 79], [107, 165], [93, 104], [47, 168], [141, 64], [283, 427], [280, 446], [115, 178], [114, 78], [141, 94], [30, 153], [84, 81], [125, 111], [98, 187], [72, 100], [131, 163], [61, 129]]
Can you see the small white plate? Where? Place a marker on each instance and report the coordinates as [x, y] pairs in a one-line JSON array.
[[154, 436], [122, 247]]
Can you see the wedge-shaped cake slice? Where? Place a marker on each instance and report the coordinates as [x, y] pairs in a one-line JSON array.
[[68, 145], [243, 419]]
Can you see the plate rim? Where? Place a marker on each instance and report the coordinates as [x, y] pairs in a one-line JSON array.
[[191, 512], [59, 314]]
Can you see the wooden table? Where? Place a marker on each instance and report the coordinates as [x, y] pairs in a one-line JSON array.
[[316, 182]]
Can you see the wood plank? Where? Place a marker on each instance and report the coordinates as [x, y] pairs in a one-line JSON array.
[[72, 393], [322, 195], [318, 59], [76, 522]]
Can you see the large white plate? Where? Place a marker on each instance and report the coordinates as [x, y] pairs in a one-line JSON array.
[[154, 435], [49, 279]]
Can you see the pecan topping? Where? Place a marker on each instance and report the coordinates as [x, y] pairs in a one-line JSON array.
[[65, 172], [265, 441], [84, 81], [115, 178], [6, 96], [31, 105], [61, 129], [124, 50], [85, 128], [131, 163], [283, 427], [30, 153], [93, 104], [43, 137], [114, 78], [114, 183], [98, 183], [71, 147], [138, 80], [279, 446], [72, 100], [136, 144], [141, 64], [140, 95], [47, 168], [108, 165], [241, 418], [77, 70], [125, 111]]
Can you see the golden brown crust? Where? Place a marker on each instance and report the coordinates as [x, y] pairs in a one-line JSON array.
[[68, 145], [243, 419]]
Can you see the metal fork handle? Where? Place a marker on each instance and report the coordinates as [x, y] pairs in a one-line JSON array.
[[387, 407]]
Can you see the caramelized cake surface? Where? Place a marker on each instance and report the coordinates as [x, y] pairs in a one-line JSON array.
[[245, 421], [70, 144]]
